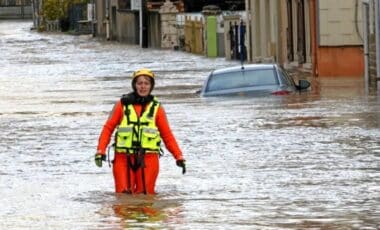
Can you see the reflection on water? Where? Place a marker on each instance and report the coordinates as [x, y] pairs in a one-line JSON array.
[[144, 211], [303, 161], [125, 211]]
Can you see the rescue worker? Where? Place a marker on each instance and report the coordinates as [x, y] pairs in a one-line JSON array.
[[141, 123]]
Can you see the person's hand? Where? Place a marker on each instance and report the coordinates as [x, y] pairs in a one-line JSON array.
[[99, 158], [181, 163]]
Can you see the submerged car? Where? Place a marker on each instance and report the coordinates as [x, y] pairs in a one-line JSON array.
[[253, 79]]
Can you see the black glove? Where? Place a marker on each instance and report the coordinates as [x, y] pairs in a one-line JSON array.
[[181, 163], [99, 158]]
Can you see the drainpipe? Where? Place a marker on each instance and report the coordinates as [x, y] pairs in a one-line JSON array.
[[365, 13], [107, 20], [377, 24], [140, 23], [356, 19]]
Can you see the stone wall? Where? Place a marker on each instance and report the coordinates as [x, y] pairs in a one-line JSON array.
[[169, 33], [372, 58]]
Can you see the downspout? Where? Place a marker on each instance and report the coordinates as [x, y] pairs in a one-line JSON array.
[[377, 24], [357, 18], [141, 23], [365, 13]]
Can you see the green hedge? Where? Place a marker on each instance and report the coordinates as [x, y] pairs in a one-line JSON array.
[[57, 9]]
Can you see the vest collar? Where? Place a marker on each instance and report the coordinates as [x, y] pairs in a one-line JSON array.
[[134, 98]]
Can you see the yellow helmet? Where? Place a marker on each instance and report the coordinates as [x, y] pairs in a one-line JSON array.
[[143, 71]]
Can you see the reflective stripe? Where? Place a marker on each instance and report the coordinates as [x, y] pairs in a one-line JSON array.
[[150, 130]]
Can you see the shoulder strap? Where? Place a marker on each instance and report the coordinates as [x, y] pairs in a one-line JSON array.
[[152, 108], [125, 101]]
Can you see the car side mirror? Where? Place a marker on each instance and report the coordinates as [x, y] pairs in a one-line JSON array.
[[303, 84]]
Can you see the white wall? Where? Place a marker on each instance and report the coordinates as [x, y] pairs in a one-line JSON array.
[[340, 21]]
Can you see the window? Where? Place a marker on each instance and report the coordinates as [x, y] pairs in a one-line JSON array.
[[263, 77], [240, 79], [286, 79]]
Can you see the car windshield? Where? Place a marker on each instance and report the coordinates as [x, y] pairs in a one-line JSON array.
[[239, 79]]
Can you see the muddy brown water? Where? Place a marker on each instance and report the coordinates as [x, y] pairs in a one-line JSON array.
[[304, 161]]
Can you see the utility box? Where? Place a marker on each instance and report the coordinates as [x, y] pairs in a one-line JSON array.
[[211, 36], [211, 14]]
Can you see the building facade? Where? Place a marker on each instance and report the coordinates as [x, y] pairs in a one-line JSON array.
[[339, 38], [326, 38], [279, 31], [322, 36]]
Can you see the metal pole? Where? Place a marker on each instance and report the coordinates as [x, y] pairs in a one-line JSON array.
[[242, 42]]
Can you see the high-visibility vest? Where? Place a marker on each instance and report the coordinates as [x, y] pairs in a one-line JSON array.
[[138, 133]]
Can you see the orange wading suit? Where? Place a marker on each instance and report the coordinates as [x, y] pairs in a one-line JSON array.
[[126, 179]]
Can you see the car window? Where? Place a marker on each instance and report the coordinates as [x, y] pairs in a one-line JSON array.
[[224, 81], [263, 77], [241, 79], [286, 78]]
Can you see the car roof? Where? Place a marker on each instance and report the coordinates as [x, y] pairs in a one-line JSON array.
[[246, 67]]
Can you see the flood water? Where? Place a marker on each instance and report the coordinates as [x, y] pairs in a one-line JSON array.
[[309, 161]]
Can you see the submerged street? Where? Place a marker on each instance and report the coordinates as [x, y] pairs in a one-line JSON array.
[[309, 160]]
